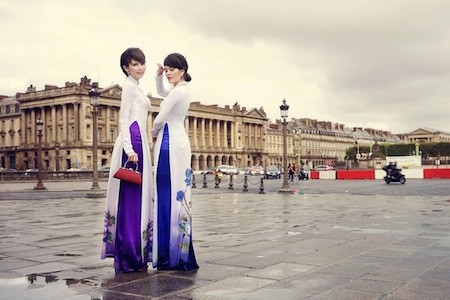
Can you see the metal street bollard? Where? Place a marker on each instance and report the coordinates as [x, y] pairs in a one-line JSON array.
[[216, 180], [194, 185], [245, 189], [261, 186], [230, 186], [205, 182]]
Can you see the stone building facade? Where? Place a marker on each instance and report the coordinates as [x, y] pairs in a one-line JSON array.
[[218, 135], [313, 142], [427, 135], [9, 131], [309, 142], [67, 136], [224, 135]]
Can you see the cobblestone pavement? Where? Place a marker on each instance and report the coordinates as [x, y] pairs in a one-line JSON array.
[[248, 246]]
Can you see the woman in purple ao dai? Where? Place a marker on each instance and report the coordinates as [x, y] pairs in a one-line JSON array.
[[128, 231]]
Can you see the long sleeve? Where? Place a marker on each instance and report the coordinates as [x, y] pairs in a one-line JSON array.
[[167, 105], [160, 88], [128, 94]]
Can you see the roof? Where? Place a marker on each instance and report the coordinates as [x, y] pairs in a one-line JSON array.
[[9, 101]]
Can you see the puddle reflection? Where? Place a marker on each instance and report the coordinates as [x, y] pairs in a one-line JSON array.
[[46, 287]]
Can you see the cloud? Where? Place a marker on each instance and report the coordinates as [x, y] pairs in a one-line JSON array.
[[368, 57], [361, 63]]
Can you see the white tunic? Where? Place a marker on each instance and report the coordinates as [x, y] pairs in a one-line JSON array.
[[173, 112], [134, 107]]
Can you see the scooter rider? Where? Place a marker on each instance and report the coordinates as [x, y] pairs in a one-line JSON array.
[[392, 169]]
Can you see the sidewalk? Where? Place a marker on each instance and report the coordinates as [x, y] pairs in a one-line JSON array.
[[248, 246]]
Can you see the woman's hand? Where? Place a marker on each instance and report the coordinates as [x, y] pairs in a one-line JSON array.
[[133, 157], [160, 70]]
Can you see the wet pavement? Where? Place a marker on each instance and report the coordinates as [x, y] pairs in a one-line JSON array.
[[310, 245]]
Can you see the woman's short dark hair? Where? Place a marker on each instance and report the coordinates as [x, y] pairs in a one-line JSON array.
[[128, 55], [176, 60]]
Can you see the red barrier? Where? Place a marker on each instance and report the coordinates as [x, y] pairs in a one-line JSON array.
[[314, 175], [436, 173], [355, 174]]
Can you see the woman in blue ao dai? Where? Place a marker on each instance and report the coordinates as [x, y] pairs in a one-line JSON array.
[[128, 226], [172, 236]]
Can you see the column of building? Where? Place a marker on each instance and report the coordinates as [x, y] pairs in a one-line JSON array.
[[217, 145], [33, 127], [210, 131], [76, 118], [232, 128], [202, 133], [194, 133], [23, 116], [54, 123], [108, 125], [224, 135], [64, 124]]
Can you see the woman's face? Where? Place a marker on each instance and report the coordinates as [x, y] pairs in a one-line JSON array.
[[136, 69], [174, 75]]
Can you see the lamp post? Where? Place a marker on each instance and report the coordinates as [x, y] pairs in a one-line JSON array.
[[284, 114], [39, 127], [95, 191]]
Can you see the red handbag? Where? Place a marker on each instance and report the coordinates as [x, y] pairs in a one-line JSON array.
[[129, 174]]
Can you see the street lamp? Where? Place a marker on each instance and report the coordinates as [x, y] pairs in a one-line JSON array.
[[39, 127], [95, 191], [284, 114]]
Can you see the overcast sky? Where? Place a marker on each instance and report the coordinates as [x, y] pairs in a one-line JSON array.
[[374, 64]]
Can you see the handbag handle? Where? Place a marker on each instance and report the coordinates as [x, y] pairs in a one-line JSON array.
[[135, 169]]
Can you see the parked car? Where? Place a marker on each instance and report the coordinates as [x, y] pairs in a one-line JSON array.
[[272, 172], [257, 170], [8, 170], [207, 171], [227, 169], [105, 170], [324, 168], [9, 173], [29, 173]]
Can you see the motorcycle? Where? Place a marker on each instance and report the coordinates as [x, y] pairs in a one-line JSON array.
[[393, 174]]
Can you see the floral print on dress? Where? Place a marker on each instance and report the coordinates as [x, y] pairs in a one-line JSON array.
[[185, 218], [147, 239], [180, 196], [188, 179], [110, 221]]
